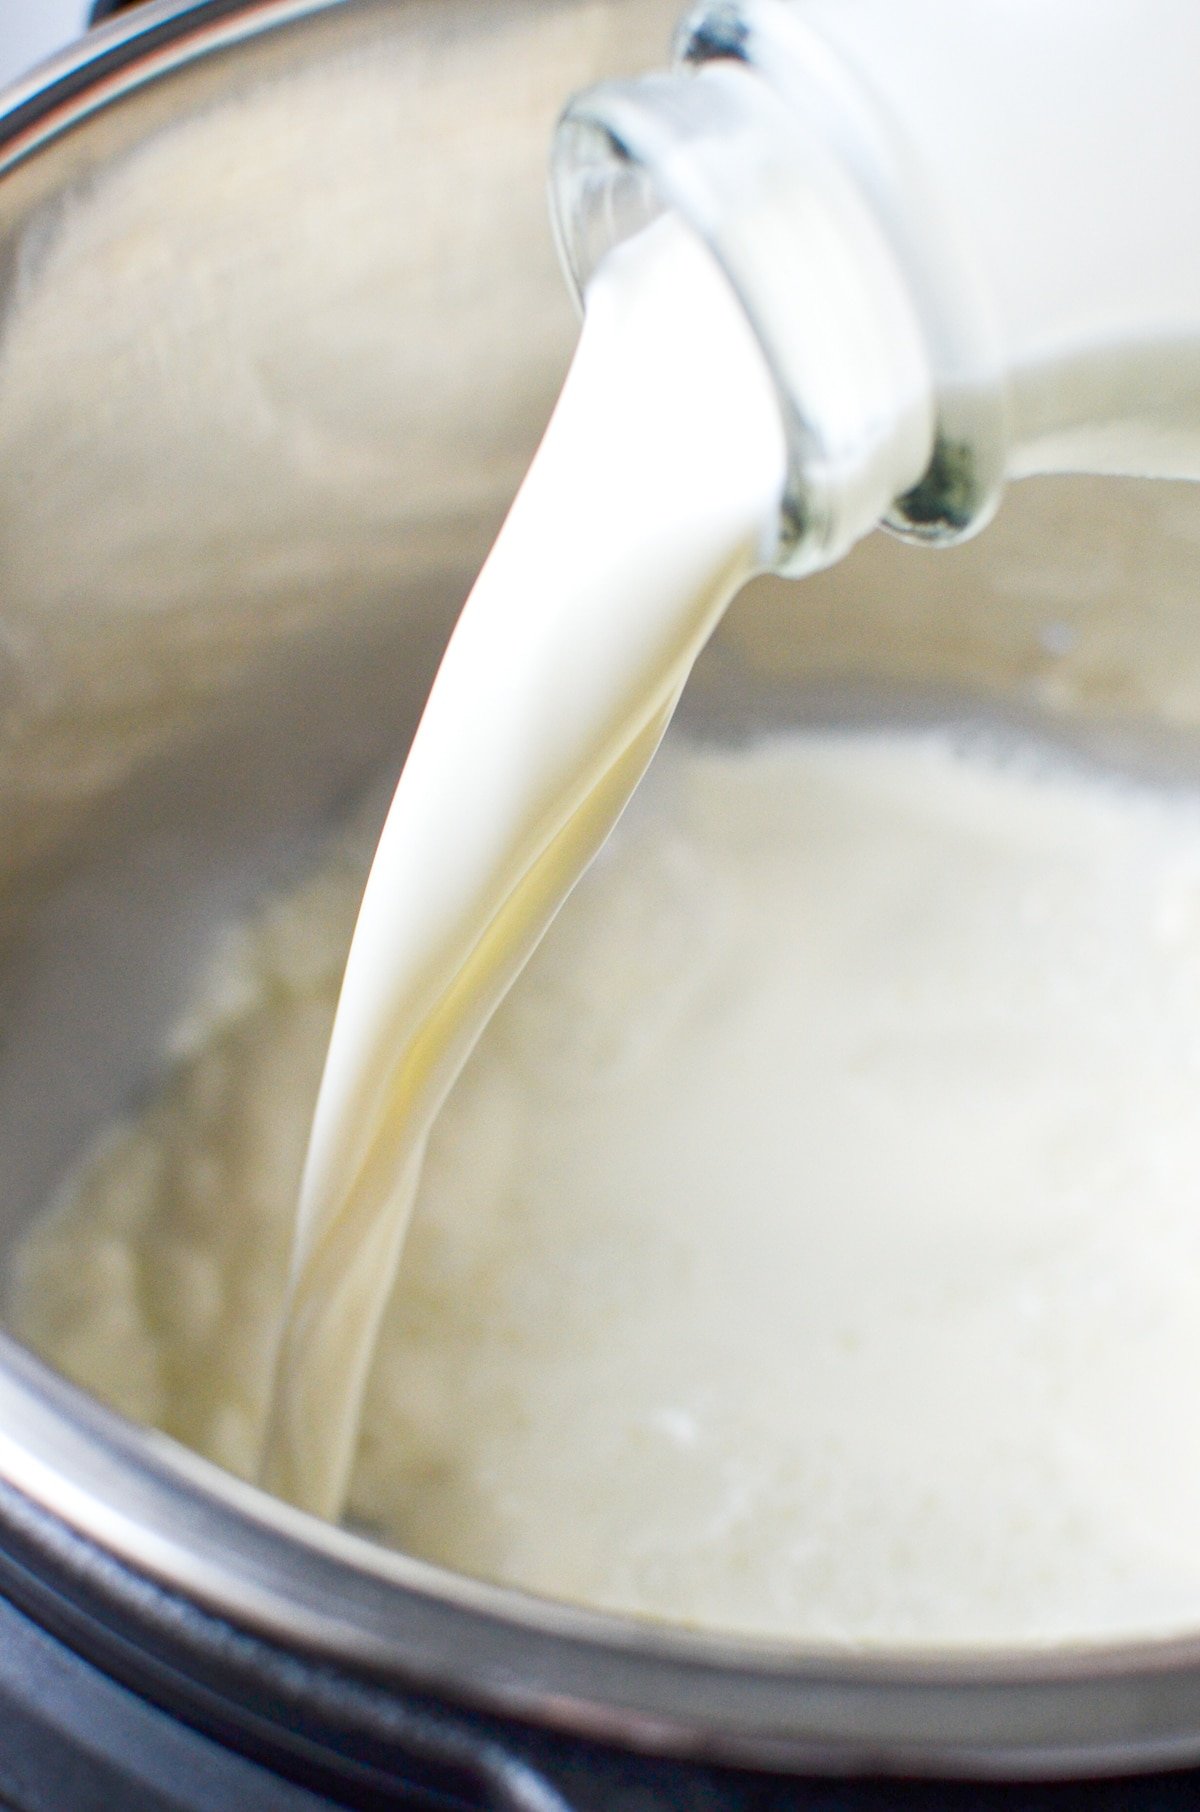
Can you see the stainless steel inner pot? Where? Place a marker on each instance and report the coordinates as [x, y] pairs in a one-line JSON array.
[[281, 324]]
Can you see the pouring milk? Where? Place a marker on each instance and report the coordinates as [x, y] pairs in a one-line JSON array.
[[654, 495], [794, 327]]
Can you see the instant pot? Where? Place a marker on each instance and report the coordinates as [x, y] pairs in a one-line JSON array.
[[281, 324]]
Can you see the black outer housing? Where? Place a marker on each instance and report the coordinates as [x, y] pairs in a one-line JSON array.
[[119, 1696], [105, 9]]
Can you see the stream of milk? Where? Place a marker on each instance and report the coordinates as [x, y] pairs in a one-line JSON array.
[[654, 495]]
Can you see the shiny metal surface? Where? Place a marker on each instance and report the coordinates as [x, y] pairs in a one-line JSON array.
[[280, 325]]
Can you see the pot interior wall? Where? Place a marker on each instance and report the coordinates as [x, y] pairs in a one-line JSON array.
[[280, 329]]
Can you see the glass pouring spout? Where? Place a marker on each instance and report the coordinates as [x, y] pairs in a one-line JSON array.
[[962, 235]]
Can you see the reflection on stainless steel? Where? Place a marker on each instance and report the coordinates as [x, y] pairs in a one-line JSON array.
[[280, 325]]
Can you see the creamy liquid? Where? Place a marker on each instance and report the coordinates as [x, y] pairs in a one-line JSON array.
[[655, 493], [809, 1246]]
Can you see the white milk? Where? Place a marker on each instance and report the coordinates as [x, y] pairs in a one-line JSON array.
[[654, 495], [809, 1246]]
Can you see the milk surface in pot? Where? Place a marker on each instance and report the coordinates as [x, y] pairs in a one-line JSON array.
[[808, 1247]]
